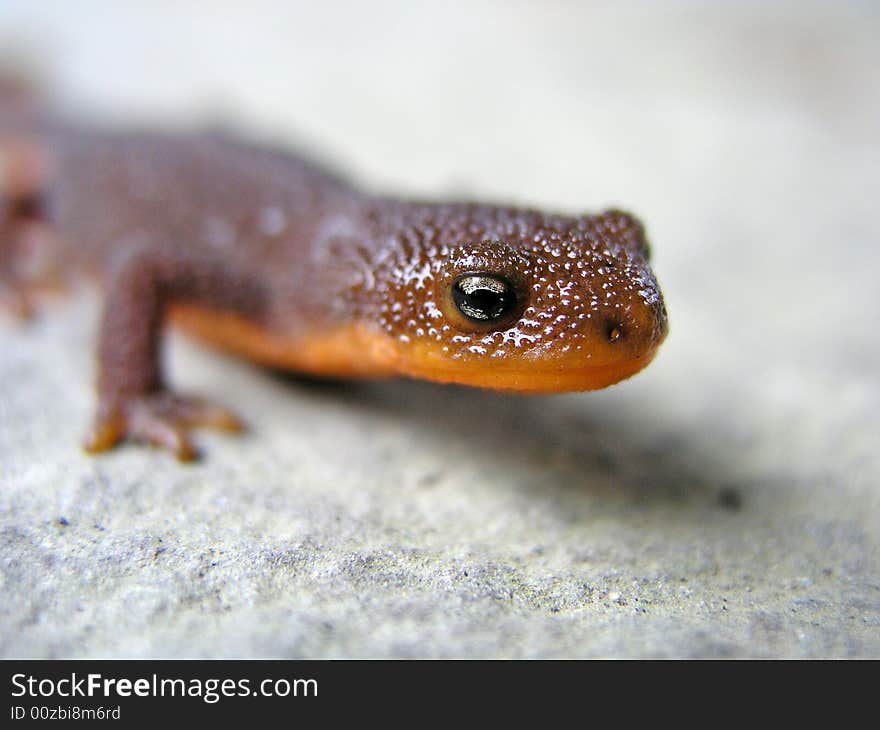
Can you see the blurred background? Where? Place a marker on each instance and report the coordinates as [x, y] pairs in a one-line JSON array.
[[743, 464]]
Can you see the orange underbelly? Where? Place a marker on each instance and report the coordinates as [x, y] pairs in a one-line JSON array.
[[345, 351]]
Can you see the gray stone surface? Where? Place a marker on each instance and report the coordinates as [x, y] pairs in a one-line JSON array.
[[725, 502]]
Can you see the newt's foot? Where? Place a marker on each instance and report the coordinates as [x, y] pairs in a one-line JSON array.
[[28, 271], [16, 300], [161, 419]]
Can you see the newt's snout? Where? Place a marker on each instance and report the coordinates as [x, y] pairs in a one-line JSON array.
[[623, 337]]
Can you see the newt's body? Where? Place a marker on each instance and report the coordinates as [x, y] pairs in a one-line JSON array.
[[265, 255]]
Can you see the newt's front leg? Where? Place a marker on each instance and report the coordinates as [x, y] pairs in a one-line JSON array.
[[134, 400]]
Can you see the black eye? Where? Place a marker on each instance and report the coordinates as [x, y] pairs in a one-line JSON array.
[[483, 297]]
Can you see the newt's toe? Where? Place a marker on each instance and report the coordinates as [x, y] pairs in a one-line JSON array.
[[159, 429], [107, 431], [193, 411]]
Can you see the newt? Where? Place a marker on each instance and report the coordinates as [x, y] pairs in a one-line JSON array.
[[264, 254]]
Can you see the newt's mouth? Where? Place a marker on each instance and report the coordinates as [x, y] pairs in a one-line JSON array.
[[529, 378]]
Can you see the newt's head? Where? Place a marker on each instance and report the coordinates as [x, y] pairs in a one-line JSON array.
[[514, 300]]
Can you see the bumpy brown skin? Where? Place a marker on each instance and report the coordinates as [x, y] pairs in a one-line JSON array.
[[263, 254]]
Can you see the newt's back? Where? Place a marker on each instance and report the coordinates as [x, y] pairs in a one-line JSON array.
[[110, 191]]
